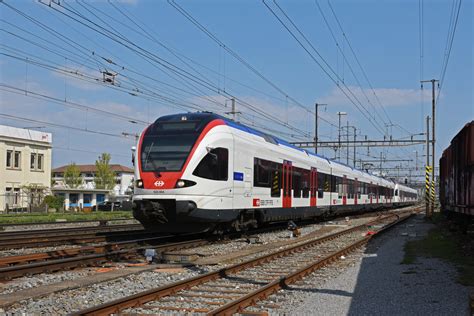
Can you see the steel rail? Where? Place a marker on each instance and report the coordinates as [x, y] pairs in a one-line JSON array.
[[153, 294], [15, 271], [264, 292], [75, 239], [102, 222], [70, 230]]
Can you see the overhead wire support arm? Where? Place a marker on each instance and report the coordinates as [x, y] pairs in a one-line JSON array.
[[362, 143]]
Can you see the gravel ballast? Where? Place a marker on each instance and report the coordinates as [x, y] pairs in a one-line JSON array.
[[374, 282]]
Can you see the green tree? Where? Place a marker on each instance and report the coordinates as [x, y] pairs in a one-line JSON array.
[[104, 176], [72, 176], [56, 202], [34, 192]]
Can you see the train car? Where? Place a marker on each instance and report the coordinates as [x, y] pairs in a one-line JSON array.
[[456, 185], [404, 195], [200, 171]]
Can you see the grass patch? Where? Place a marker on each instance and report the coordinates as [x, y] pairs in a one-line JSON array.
[[445, 245], [70, 217]]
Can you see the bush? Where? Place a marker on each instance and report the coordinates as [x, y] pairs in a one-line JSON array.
[[56, 202]]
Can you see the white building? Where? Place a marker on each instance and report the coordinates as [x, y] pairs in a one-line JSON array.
[[81, 199], [25, 159], [123, 178]]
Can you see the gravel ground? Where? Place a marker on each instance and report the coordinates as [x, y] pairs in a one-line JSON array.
[[43, 279], [68, 301], [373, 282], [73, 300], [63, 225], [218, 249], [27, 251]]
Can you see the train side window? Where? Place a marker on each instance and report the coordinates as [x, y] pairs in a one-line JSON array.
[[214, 165], [297, 182], [322, 178], [333, 184], [350, 189], [276, 180], [305, 182], [338, 186], [262, 173]]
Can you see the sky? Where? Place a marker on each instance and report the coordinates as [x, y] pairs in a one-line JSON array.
[[95, 73]]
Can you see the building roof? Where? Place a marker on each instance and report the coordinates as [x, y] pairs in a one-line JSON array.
[[25, 134], [92, 168], [73, 190]]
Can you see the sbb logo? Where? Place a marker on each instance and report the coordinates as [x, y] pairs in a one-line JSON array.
[[159, 183], [256, 202]]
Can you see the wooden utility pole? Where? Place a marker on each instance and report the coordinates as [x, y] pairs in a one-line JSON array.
[[316, 106]]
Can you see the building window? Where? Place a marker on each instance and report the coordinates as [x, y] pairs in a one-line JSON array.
[[9, 158], [17, 160], [33, 161], [13, 159], [12, 196], [36, 161], [40, 161]]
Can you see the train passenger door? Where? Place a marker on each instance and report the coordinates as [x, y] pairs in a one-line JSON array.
[[313, 188], [371, 192], [287, 182], [344, 190], [356, 185]]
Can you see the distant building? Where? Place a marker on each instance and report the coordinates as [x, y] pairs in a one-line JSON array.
[[123, 178], [25, 159], [80, 199]]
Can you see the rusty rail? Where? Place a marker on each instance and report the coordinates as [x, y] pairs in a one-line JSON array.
[[154, 294], [262, 293], [79, 258], [51, 237]]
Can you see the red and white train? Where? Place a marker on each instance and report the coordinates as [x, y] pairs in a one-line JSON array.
[[201, 171]]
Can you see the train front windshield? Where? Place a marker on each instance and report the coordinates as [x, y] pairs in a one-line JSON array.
[[167, 145]]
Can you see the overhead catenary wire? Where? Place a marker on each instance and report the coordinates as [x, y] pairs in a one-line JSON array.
[[349, 94], [152, 57], [358, 61], [234, 54], [25, 119], [347, 61], [449, 42]]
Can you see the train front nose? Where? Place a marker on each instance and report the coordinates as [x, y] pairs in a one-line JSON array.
[[150, 212]]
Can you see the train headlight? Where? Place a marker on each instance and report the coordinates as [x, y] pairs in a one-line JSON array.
[[181, 183], [139, 183]]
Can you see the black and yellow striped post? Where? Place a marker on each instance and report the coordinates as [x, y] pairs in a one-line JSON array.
[[428, 190], [433, 195]]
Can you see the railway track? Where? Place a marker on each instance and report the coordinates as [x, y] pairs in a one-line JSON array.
[[77, 238], [25, 265], [235, 288], [101, 222], [76, 235]]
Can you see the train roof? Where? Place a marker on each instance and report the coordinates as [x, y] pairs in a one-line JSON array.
[[209, 116]]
